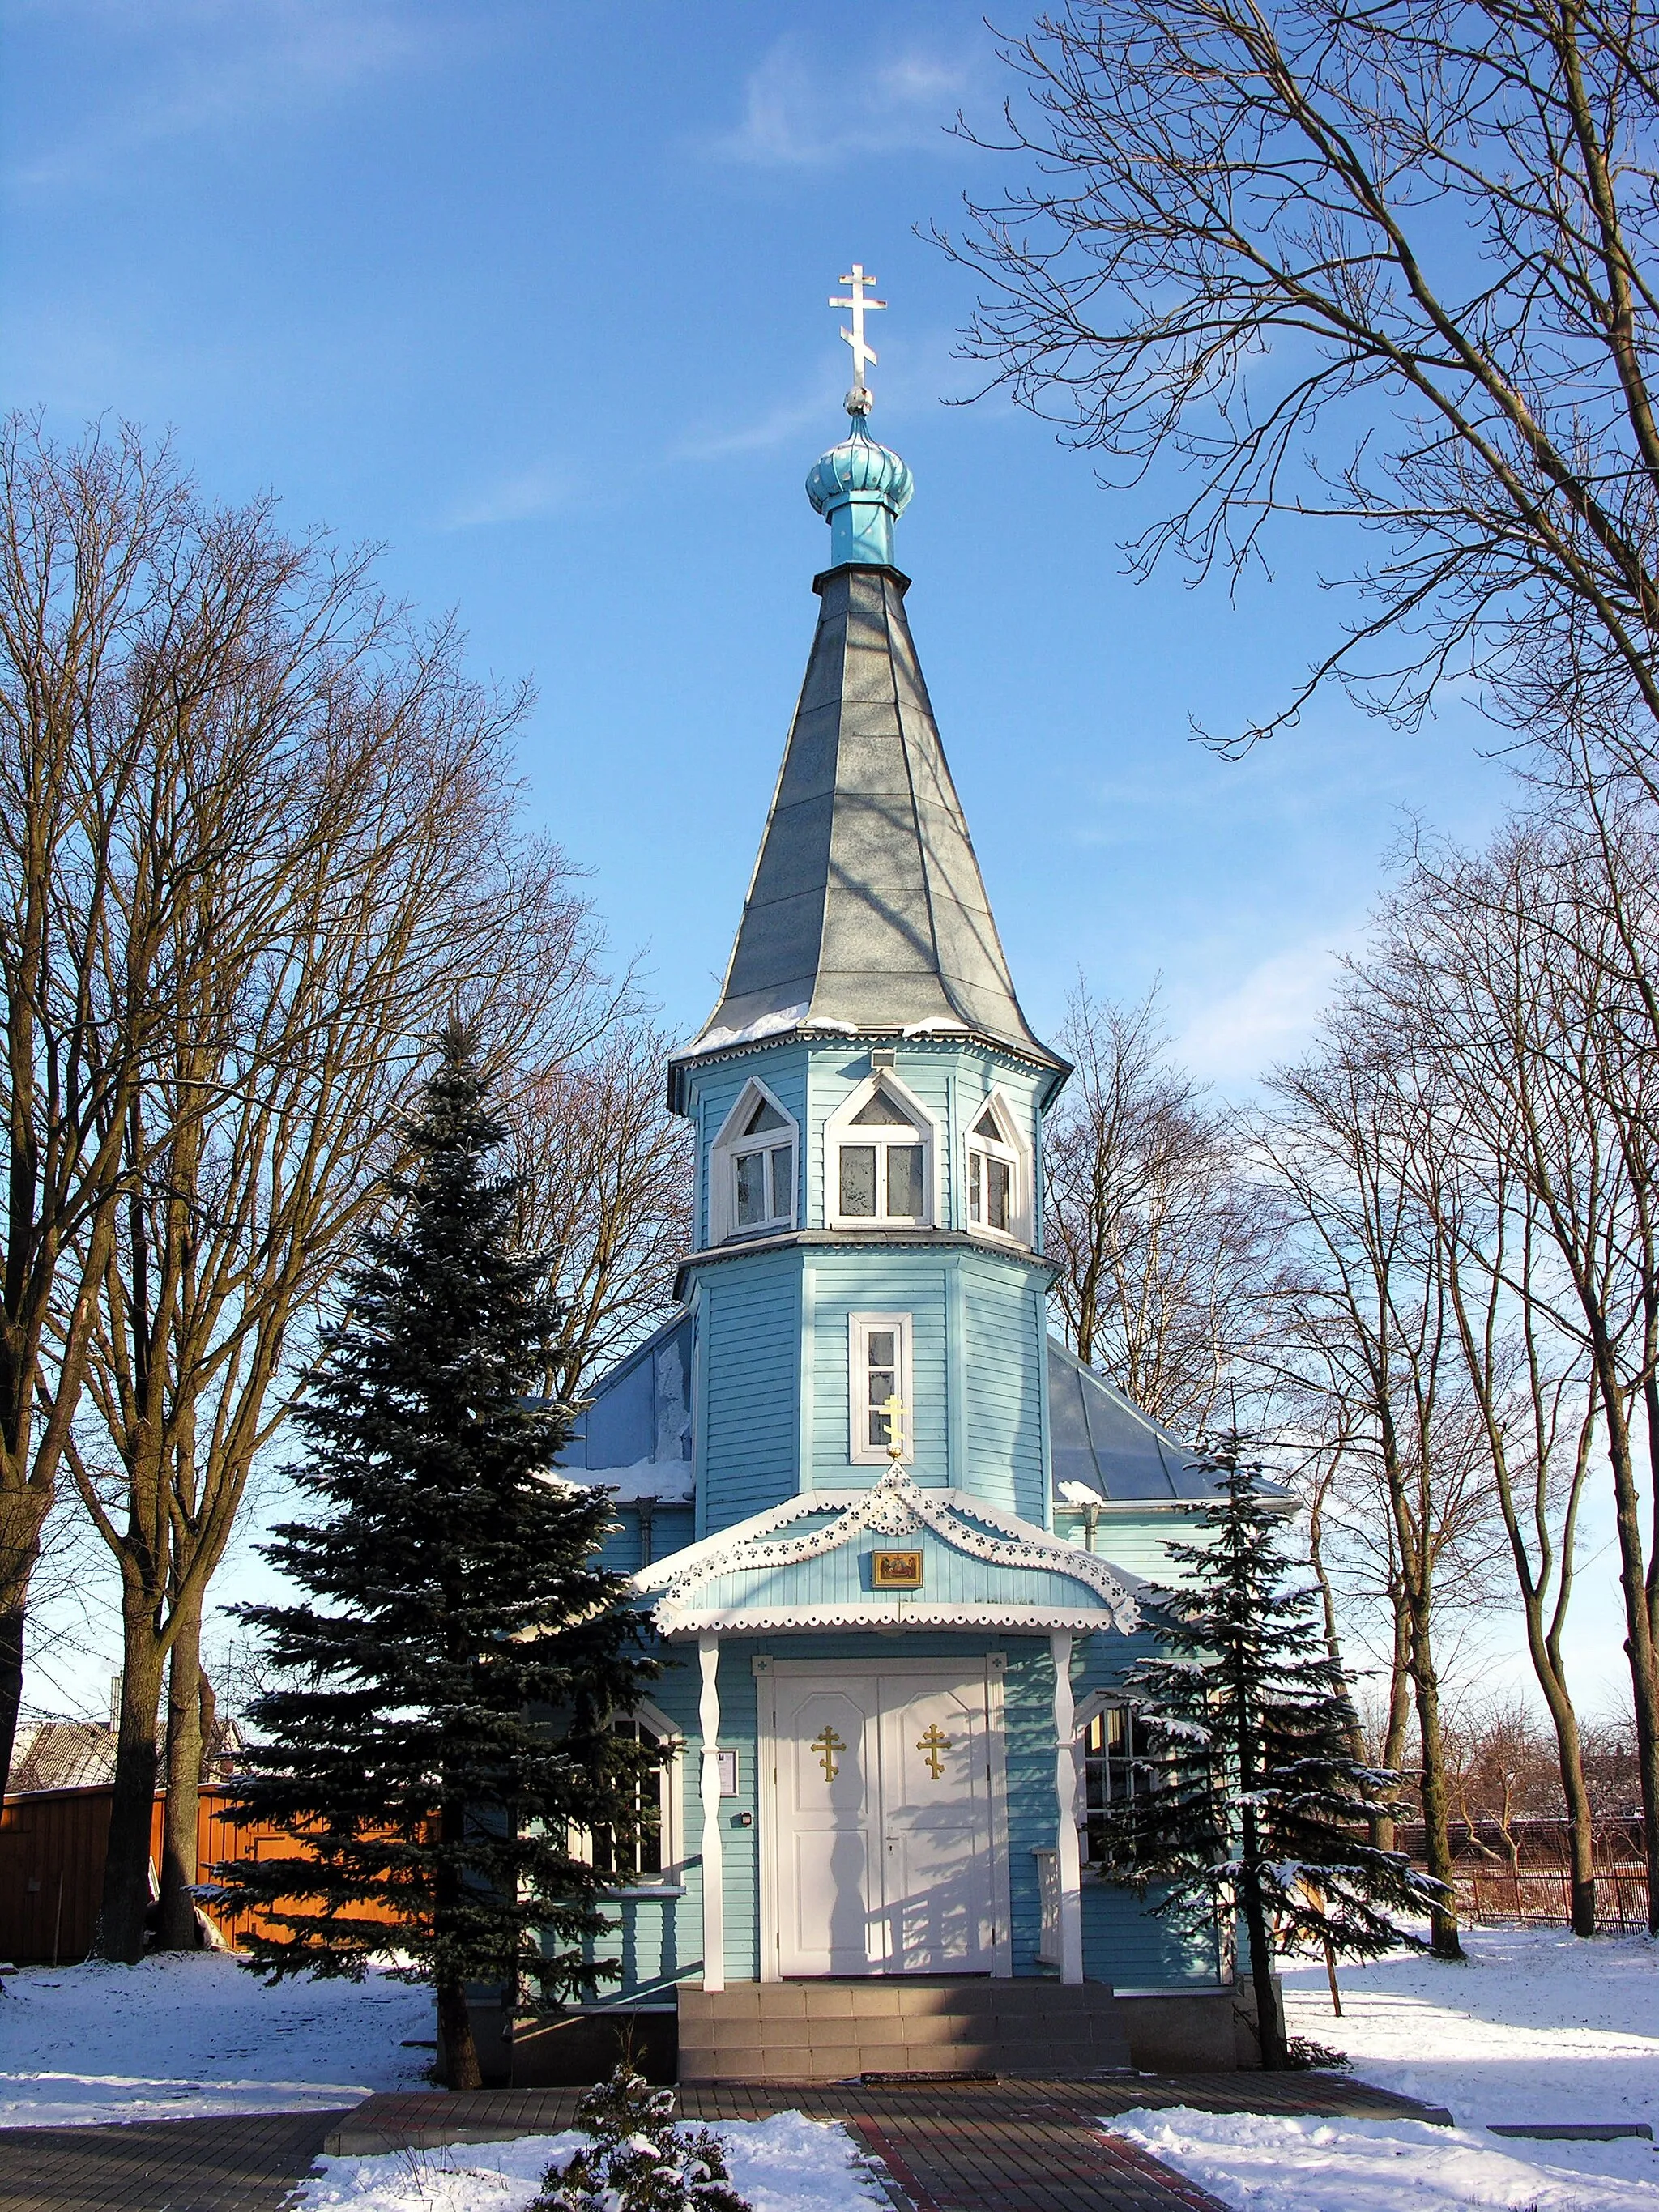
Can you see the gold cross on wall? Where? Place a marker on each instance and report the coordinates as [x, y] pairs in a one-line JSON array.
[[932, 1744], [893, 1412], [827, 1743]]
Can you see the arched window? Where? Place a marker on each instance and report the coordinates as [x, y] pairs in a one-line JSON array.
[[752, 1168], [880, 1167], [996, 1197]]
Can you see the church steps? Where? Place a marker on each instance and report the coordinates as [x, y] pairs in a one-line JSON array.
[[829, 2030]]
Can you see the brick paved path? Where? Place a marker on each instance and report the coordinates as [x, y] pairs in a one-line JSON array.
[[161, 2165], [950, 2147]]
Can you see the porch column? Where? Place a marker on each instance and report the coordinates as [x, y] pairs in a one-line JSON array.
[[1068, 1864], [713, 1890]]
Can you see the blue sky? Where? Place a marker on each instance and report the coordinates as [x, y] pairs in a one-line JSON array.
[[534, 297]]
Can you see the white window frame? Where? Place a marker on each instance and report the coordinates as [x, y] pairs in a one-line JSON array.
[[838, 1129], [859, 1326], [723, 1165], [672, 1812], [1010, 1148]]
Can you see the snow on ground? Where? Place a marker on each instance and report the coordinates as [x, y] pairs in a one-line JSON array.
[[787, 2163], [187, 2035], [1537, 2026], [1259, 2164]]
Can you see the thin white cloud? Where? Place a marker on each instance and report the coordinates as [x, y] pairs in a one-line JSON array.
[[803, 108], [208, 65], [545, 487], [1270, 1015], [774, 427]]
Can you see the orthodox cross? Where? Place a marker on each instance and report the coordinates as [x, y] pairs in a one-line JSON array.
[[859, 305], [893, 1411], [827, 1743], [932, 1745]]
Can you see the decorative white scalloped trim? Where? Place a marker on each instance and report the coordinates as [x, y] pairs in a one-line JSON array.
[[874, 1612], [896, 1506]]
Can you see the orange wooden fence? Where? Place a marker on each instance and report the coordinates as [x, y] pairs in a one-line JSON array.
[[52, 1846]]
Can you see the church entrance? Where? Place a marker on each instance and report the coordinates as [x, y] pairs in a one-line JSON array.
[[882, 1824]]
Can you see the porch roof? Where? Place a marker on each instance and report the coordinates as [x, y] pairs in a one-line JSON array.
[[800, 1567]]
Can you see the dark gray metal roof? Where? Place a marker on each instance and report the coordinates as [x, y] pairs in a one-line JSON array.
[[866, 909], [1101, 1444]]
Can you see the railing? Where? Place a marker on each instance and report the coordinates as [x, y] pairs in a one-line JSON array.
[[1494, 1899]]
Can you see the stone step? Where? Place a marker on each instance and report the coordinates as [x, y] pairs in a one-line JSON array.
[[821, 2030]]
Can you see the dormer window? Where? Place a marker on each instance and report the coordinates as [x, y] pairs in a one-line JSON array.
[[997, 1173], [765, 1170], [752, 1168], [992, 1167], [881, 1162]]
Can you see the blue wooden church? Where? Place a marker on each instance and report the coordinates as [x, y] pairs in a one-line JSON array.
[[889, 1530]]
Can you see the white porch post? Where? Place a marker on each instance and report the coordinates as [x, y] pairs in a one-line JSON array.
[[714, 1888], [1068, 1864]]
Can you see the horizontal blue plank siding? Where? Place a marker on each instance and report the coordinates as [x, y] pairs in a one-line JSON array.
[[752, 1333]]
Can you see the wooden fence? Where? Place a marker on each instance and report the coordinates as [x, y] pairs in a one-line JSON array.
[[1494, 1898], [52, 1847]]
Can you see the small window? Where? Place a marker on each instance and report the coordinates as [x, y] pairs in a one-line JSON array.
[[1114, 1772], [638, 1855], [992, 1176], [879, 1374], [753, 1168], [885, 1178]]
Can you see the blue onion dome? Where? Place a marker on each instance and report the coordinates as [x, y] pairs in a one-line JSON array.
[[859, 464], [861, 488]]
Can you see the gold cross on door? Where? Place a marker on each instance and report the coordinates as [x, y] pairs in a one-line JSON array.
[[932, 1744], [827, 1743]]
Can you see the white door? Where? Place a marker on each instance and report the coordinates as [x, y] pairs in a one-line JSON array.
[[884, 1853]]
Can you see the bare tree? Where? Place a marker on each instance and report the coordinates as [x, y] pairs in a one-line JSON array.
[[607, 1176], [1163, 1248], [1364, 1342], [348, 873], [127, 613], [1527, 965], [1386, 266]]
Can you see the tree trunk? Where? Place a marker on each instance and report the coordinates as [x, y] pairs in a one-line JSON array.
[[1639, 1637], [1399, 1714], [132, 1801], [22, 1512], [455, 2038], [1569, 1757], [1269, 2028], [1437, 1838], [186, 1749]]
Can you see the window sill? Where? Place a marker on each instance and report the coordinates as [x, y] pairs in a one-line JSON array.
[[644, 1889]]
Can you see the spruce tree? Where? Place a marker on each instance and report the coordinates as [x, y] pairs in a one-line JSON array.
[[443, 1719], [1248, 1804]]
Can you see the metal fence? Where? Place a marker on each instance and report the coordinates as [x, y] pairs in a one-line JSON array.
[[1494, 1898]]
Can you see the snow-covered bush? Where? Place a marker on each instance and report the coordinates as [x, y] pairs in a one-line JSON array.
[[639, 2160]]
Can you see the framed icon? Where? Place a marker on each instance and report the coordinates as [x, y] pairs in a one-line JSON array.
[[895, 1570]]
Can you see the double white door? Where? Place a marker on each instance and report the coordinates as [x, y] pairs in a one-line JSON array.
[[883, 1843]]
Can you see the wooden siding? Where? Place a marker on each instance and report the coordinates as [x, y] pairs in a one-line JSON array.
[[751, 1327], [840, 1576], [877, 1281], [1002, 1386]]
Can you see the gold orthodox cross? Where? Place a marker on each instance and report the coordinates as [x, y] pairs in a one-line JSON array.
[[893, 1413], [856, 280], [932, 1744], [827, 1743]]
